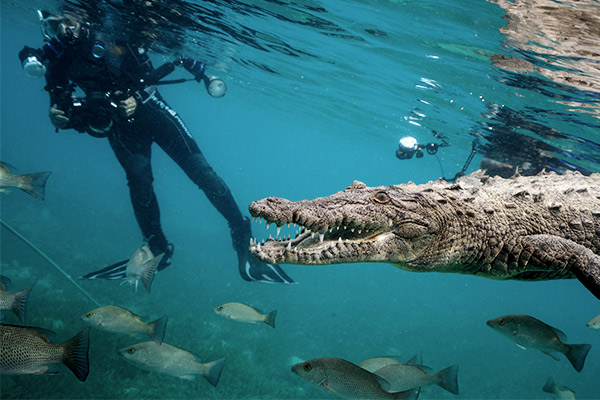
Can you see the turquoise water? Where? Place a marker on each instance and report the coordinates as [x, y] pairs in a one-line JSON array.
[[318, 95]]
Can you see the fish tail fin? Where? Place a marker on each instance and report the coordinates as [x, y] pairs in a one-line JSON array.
[[549, 386], [5, 282], [270, 318], [19, 305], [76, 352], [576, 353], [212, 371], [448, 379], [35, 184], [150, 271], [157, 329]]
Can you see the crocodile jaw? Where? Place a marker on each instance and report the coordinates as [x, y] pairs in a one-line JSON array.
[[323, 239], [311, 248]]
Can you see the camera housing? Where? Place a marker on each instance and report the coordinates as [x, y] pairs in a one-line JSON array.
[[93, 114]]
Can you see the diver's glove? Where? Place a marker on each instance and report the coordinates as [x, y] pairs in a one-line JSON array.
[[58, 118]]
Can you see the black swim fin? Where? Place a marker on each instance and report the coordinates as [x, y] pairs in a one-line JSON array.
[[253, 270], [114, 271], [117, 270]]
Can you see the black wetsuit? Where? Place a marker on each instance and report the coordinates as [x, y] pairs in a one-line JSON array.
[[118, 69]]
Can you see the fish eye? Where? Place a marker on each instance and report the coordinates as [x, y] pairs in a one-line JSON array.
[[500, 321], [220, 308], [381, 197], [307, 367], [89, 315], [131, 350]]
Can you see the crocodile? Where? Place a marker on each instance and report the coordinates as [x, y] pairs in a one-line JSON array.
[[529, 228]]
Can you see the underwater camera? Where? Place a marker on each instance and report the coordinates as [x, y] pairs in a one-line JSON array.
[[408, 147], [93, 113]]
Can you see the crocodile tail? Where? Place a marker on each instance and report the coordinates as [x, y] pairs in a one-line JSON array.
[[576, 353]]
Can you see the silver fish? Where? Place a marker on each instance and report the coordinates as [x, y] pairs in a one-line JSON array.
[[375, 363], [527, 331], [26, 350], [562, 392], [244, 313], [594, 323], [400, 377], [346, 379], [120, 320], [171, 360], [15, 302], [142, 267], [32, 184]]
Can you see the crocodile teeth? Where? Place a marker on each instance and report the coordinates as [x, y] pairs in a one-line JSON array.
[[321, 237], [278, 231]]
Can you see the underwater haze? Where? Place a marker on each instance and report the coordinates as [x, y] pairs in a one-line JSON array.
[[318, 95]]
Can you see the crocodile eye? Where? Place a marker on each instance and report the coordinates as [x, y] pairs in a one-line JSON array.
[[381, 198], [307, 366], [131, 350]]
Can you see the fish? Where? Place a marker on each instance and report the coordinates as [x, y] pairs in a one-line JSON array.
[[527, 331], [142, 266], [27, 350], [120, 320], [346, 379], [171, 360], [594, 323], [32, 184], [562, 392], [243, 313], [401, 377], [15, 302], [375, 363]]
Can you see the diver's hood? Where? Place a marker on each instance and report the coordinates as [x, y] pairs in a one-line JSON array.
[[49, 23]]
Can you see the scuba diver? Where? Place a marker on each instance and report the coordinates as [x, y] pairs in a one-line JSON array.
[[122, 104]]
